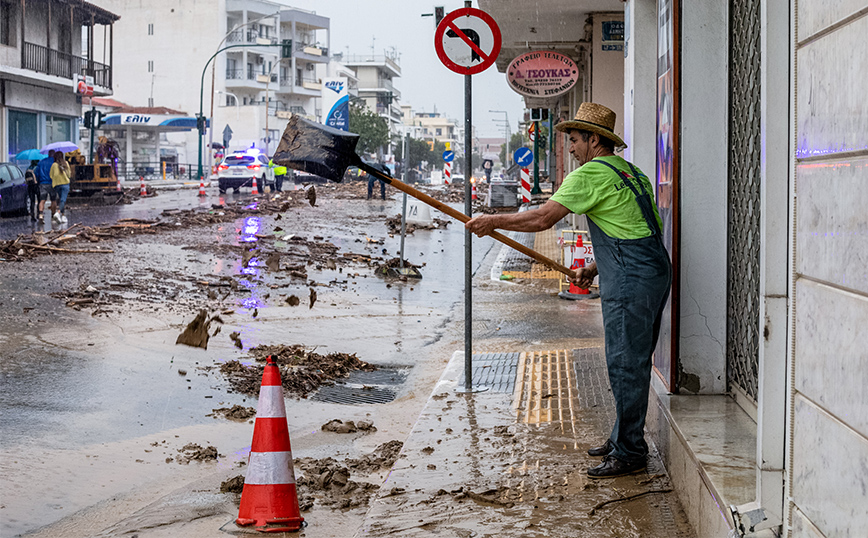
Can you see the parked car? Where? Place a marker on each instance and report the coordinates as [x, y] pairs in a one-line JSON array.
[[13, 189], [457, 179], [242, 168]]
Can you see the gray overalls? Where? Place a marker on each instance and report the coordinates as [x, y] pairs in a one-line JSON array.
[[635, 276]]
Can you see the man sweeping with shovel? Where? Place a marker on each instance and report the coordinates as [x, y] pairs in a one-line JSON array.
[[633, 265]]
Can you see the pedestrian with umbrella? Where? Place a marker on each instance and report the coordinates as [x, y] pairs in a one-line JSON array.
[[33, 196], [60, 173], [43, 178]]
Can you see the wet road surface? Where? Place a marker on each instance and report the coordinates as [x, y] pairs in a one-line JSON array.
[[86, 397]]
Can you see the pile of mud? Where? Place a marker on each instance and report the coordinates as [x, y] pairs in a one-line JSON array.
[[25, 247], [302, 371], [328, 482], [394, 225], [236, 412]]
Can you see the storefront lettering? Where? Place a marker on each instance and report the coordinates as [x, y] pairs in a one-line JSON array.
[[135, 118]]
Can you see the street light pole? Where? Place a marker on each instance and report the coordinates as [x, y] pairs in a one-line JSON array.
[[202, 92], [267, 133], [213, 76]]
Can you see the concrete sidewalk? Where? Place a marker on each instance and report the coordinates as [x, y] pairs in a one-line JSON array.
[[513, 457]]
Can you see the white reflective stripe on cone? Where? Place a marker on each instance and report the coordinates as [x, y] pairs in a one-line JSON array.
[[271, 404], [265, 468]]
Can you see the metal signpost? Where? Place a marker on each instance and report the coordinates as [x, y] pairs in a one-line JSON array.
[[523, 157], [467, 41]]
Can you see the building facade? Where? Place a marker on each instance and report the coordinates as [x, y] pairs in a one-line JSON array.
[[376, 74], [44, 46], [749, 116], [267, 72]]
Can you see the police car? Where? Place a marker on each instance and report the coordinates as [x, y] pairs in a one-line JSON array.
[[242, 168]]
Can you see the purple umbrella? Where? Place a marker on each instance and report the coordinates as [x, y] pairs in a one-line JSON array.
[[65, 147]]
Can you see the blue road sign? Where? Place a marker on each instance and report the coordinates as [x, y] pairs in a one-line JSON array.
[[448, 156], [523, 156]]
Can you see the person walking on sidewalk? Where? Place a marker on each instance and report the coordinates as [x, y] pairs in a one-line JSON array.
[[43, 176], [631, 261], [60, 173], [32, 189]]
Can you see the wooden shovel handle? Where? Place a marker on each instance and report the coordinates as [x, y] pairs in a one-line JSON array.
[[436, 204]]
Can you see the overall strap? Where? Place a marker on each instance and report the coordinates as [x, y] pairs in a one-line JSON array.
[[643, 199]]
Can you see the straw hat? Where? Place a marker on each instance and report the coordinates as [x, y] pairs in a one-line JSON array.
[[596, 119]]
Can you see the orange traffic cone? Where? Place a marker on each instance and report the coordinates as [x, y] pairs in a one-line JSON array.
[[473, 191], [578, 263], [202, 186], [269, 499], [120, 189], [575, 292], [142, 191], [255, 190]]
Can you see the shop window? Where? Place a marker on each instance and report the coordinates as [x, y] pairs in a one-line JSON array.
[[57, 129], [7, 26], [22, 127]]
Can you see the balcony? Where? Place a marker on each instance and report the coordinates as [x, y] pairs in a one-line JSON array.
[[251, 37], [61, 64], [311, 53], [306, 85], [244, 78]]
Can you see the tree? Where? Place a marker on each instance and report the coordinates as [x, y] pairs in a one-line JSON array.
[[516, 140], [372, 129], [458, 163]]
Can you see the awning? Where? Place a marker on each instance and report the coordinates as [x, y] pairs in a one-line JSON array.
[[150, 122]]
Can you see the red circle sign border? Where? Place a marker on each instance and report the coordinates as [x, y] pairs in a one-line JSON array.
[[444, 24]]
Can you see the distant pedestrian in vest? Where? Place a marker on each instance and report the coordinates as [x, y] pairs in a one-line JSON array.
[[373, 179], [631, 261]]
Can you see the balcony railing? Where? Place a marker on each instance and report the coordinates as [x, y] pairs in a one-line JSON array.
[[242, 74], [62, 64], [248, 36], [299, 47]]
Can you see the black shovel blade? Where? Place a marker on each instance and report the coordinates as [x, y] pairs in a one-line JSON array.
[[317, 149]]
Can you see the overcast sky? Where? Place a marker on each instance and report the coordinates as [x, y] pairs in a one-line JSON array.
[[425, 83]]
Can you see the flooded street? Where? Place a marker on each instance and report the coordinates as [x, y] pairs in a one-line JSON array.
[[99, 401]]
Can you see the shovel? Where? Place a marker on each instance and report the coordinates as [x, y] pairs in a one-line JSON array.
[[327, 152]]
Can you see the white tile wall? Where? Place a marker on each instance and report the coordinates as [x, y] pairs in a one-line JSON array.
[[832, 81], [815, 15], [832, 240], [831, 355], [803, 528], [830, 471]]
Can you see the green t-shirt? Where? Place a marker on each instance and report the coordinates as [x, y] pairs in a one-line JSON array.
[[595, 190]]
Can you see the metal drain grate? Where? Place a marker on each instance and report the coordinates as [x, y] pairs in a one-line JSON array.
[[379, 386], [496, 371]]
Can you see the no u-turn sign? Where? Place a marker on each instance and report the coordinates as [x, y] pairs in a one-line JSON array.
[[467, 41]]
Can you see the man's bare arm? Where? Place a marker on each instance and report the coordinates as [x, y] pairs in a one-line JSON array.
[[527, 221]]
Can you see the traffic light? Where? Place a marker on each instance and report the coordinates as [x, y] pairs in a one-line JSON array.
[[539, 114], [98, 119], [88, 118], [200, 124], [286, 48], [439, 13]]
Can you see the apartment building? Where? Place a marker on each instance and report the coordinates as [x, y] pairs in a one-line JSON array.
[[375, 74], [45, 45], [267, 71]]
